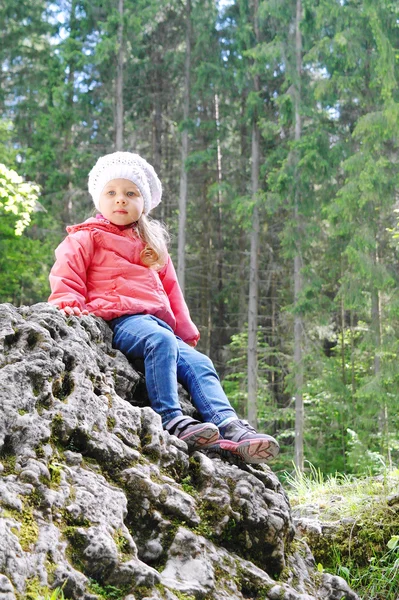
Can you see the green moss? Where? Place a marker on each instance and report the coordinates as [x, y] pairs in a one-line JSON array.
[[40, 451], [78, 441], [108, 592], [57, 428], [142, 591], [63, 386], [8, 463], [8, 457], [89, 462], [44, 401], [55, 475], [11, 513], [51, 567], [76, 546], [33, 338], [121, 542], [187, 486], [37, 382], [211, 514], [22, 411], [250, 589], [28, 531], [71, 522], [195, 476], [35, 591], [144, 529], [359, 541], [182, 596], [35, 498], [111, 422]]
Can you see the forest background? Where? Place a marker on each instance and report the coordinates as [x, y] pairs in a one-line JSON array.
[[274, 127]]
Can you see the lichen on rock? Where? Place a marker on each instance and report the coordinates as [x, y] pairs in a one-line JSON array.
[[95, 496]]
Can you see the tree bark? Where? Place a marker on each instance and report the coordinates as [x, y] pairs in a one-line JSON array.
[[243, 240], [119, 111], [68, 115], [157, 137], [343, 361], [220, 248], [298, 284], [252, 356], [377, 334], [181, 244]]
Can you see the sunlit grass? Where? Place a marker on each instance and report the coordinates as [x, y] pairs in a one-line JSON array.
[[380, 581], [312, 486], [56, 594], [338, 496]]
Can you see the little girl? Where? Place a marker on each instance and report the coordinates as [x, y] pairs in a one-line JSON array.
[[117, 266]]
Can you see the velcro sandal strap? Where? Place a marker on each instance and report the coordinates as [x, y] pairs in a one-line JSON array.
[[177, 425]]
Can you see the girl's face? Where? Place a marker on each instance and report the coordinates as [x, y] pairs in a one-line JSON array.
[[121, 202]]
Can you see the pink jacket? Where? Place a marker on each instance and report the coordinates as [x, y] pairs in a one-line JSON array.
[[98, 268]]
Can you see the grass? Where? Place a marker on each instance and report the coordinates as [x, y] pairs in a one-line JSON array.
[[57, 594], [374, 572], [380, 581], [37, 592], [312, 486]]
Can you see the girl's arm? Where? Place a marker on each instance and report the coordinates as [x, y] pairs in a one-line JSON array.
[[185, 328], [68, 275]]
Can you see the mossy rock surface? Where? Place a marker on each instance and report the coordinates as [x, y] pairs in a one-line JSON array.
[[97, 499]]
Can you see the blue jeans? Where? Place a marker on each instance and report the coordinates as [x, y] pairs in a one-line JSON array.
[[167, 360]]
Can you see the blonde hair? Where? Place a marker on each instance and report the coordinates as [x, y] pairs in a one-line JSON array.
[[156, 238]]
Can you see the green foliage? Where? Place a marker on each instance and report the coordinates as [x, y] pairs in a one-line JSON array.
[[27, 530], [365, 556], [25, 262], [44, 594], [7, 152], [17, 200], [234, 382], [380, 580], [35, 591], [365, 550], [108, 592], [58, 103]]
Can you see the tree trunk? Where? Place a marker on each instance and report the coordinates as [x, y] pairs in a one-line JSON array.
[[243, 241], [252, 357], [353, 380], [181, 244], [157, 137], [377, 333], [219, 253], [253, 289], [343, 361], [119, 82], [298, 284], [68, 115]]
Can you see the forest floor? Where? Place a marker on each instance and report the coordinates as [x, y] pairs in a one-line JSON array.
[[352, 527]]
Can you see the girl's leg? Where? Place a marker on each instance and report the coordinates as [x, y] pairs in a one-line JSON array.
[[198, 375], [142, 336], [145, 336]]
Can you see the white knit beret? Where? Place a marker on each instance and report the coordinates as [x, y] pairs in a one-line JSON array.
[[126, 165]]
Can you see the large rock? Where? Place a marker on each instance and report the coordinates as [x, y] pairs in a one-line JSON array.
[[96, 497]]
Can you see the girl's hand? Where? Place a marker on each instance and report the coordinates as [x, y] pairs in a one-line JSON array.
[[73, 311]]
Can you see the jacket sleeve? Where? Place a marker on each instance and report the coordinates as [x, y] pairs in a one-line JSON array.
[[185, 328], [68, 275]]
